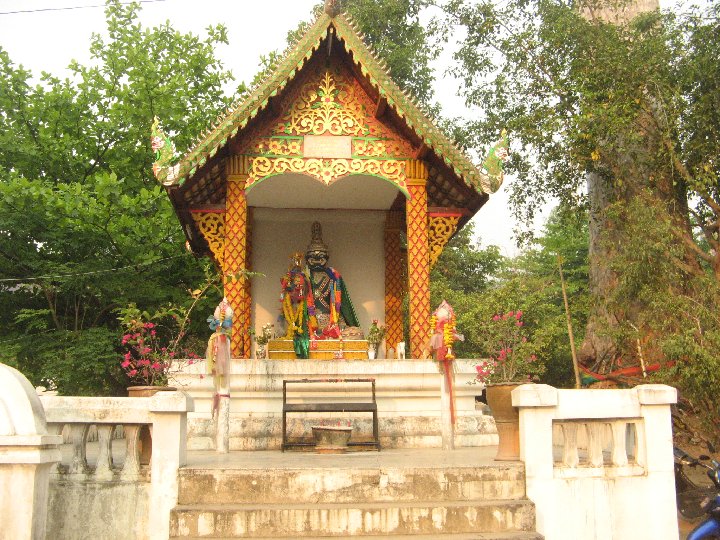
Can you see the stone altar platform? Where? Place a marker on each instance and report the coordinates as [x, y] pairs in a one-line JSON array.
[[331, 349], [408, 394]]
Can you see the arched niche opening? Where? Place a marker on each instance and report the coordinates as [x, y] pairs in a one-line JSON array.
[[352, 212]]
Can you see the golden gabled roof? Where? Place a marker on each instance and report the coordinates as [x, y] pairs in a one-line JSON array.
[[238, 116]]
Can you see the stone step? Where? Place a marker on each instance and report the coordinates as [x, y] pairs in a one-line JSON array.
[[324, 485], [351, 519], [513, 535]]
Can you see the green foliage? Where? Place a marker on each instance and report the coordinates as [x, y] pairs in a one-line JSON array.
[[82, 363], [630, 108], [84, 227], [480, 284], [680, 326]]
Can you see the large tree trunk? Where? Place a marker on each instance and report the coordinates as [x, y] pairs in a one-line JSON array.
[[599, 350]]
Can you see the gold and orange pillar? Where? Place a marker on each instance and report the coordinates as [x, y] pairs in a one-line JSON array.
[[416, 216], [236, 259], [394, 280]]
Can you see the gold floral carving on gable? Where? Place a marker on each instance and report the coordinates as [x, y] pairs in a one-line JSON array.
[[330, 105], [212, 227], [440, 229], [328, 170], [278, 146], [380, 148]]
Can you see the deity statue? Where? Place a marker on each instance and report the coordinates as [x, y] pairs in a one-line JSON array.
[[315, 301], [294, 298], [329, 301]]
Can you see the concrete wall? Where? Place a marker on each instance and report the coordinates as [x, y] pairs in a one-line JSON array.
[[92, 510], [408, 392], [586, 487], [355, 244]]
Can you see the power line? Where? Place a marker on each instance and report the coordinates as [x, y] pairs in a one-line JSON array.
[[74, 7], [60, 276]]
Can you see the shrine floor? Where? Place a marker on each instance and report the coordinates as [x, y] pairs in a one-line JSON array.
[[391, 458]]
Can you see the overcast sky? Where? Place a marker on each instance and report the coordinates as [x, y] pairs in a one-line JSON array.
[[44, 40]]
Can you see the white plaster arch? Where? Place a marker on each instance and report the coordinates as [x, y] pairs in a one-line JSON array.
[[352, 192]]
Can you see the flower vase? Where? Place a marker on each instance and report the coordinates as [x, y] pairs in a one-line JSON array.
[[507, 420], [372, 353]]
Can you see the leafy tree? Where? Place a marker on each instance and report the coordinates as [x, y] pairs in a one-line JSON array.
[[481, 283], [623, 109], [84, 228]]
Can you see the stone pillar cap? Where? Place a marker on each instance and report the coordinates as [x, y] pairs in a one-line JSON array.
[[21, 413]]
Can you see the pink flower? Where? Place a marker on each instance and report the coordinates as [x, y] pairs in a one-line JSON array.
[[125, 364], [533, 357], [128, 356], [156, 366], [191, 362], [132, 372], [519, 323], [518, 315], [496, 318], [152, 333], [149, 325]]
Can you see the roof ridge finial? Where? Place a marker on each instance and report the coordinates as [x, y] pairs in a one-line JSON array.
[[333, 7]]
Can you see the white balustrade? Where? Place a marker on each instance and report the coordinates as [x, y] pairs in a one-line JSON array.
[[108, 460], [599, 463]]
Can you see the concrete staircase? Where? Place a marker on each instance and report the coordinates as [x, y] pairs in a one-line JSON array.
[[436, 501]]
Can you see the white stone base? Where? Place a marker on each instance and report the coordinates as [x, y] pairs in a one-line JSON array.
[[407, 393]]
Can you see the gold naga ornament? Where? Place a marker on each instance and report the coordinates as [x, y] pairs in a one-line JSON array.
[[165, 154]]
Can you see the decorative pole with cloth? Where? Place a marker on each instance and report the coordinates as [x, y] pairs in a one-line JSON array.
[[443, 336], [218, 365]]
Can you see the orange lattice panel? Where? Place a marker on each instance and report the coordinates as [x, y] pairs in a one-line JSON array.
[[236, 290], [418, 267], [394, 283]]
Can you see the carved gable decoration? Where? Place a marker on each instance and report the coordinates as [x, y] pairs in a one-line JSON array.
[[328, 104], [327, 131]]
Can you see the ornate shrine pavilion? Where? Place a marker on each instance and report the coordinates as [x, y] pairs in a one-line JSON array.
[[328, 137]]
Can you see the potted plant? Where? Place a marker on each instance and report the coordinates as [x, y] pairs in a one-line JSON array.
[[512, 362], [152, 348], [263, 338], [375, 336]]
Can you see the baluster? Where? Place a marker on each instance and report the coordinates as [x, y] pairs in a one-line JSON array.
[[640, 451], [78, 439], [103, 469], [570, 449], [55, 429], [131, 468], [595, 443], [619, 451]]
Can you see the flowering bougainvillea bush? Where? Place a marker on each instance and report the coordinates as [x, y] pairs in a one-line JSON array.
[[152, 344], [512, 358]]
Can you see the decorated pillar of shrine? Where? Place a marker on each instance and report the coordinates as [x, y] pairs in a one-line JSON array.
[[236, 259], [416, 211], [394, 280]]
